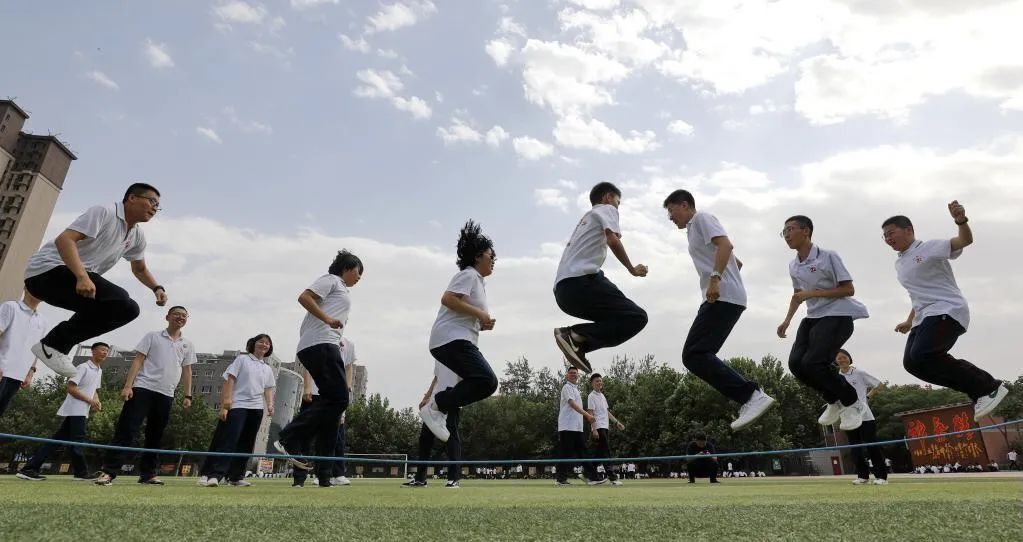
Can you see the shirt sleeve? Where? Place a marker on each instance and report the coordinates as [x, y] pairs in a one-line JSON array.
[[462, 283], [268, 378], [939, 249], [190, 358], [709, 227], [565, 395], [838, 268], [870, 380], [233, 368], [792, 275], [323, 286], [137, 251], [91, 221], [145, 345], [79, 374], [607, 217], [6, 316], [349, 352]]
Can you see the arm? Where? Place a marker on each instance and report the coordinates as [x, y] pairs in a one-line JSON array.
[[141, 272], [904, 327], [28, 378], [133, 371], [793, 307], [73, 391], [268, 400], [844, 289], [619, 424], [738, 264], [575, 406], [721, 257], [307, 387], [310, 302], [965, 236], [875, 390], [186, 384], [349, 375], [457, 303], [225, 396], [618, 249], [429, 392], [67, 247]]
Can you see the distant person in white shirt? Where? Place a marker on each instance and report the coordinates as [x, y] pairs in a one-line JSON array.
[[67, 273], [940, 313], [82, 397], [724, 300], [571, 442], [596, 405], [581, 289], [21, 326], [866, 386], [327, 302], [1012, 460], [162, 359], [462, 316], [821, 280], [247, 393], [443, 379]]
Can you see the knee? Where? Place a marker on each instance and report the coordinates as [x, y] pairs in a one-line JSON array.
[[796, 365], [125, 310], [639, 318], [491, 384], [915, 360]]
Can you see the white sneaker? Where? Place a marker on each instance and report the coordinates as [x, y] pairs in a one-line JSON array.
[[436, 421], [861, 482], [880, 482], [831, 414], [201, 482], [241, 483], [340, 481], [617, 483], [852, 416], [986, 404], [757, 405], [212, 481], [58, 361], [596, 482], [452, 484]]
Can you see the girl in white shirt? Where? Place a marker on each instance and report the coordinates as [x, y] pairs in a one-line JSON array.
[[866, 386]]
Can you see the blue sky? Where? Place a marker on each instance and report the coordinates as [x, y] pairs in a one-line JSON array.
[[281, 131]]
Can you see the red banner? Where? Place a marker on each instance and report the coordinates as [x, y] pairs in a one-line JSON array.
[[966, 449]]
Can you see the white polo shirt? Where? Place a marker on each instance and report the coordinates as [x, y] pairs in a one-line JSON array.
[[88, 377], [700, 231], [587, 248], [252, 377], [336, 302], [568, 418], [446, 378], [21, 327], [925, 272], [165, 357], [107, 239], [453, 326], [347, 357], [596, 402], [824, 270], [862, 381]]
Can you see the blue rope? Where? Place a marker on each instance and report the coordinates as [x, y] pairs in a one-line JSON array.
[[26, 438]]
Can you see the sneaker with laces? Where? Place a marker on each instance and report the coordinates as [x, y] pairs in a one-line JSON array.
[[988, 403], [341, 481], [831, 414], [574, 356], [30, 475], [58, 361], [240, 483], [880, 481], [212, 481], [860, 482], [414, 484], [201, 482], [293, 461], [617, 483], [752, 409], [435, 420], [852, 416], [452, 484]]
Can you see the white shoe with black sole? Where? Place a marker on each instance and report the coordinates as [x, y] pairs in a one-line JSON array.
[[58, 361], [831, 414], [852, 416], [988, 403], [752, 409], [436, 421]]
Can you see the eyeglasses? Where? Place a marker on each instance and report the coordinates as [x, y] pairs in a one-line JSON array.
[[152, 201], [788, 229]]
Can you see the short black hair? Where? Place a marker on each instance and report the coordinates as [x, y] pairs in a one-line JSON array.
[[847, 354], [803, 221], [572, 368], [595, 376], [345, 261], [172, 309], [602, 189], [679, 197], [99, 344], [471, 245], [250, 345], [899, 221], [139, 189]]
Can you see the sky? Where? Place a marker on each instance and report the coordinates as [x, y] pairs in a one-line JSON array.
[[279, 132]]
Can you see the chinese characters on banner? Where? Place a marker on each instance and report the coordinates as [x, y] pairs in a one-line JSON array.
[[966, 449]]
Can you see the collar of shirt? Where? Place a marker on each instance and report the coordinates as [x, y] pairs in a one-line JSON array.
[[24, 306], [812, 256], [92, 365], [166, 333], [911, 247], [254, 358], [119, 210]]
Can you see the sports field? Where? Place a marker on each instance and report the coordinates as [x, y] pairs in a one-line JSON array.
[[964, 508]]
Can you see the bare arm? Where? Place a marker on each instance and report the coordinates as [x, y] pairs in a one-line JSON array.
[[614, 243], [457, 303], [875, 390], [141, 272], [349, 375], [904, 327], [965, 236], [268, 400], [133, 371], [74, 391], [67, 247], [310, 302], [429, 393], [186, 384], [227, 392], [793, 307], [307, 386], [723, 253], [575, 406], [844, 289]]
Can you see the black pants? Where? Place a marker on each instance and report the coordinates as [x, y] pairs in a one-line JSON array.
[[145, 405], [700, 468], [236, 434], [478, 379], [604, 450], [324, 469], [572, 445], [927, 358], [615, 317], [319, 421], [8, 389], [73, 429], [713, 323], [453, 447], [109, 310], [866, 434], [812, 359]]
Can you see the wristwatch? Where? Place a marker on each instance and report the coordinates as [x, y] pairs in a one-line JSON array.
[[715, 274], [158, 287]]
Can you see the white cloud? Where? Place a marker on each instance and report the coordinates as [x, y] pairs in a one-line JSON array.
[[378, 84], [399, 15], [596, 4], [246, 126], [681, 127], [531, 149], [620, 35], [158, 55], [509, 27], [209, 134], [360, 44], [103, 80], [414, 105], [459, 131], [566, 78], [500, 50], [551, 197], [306, 4], [574, 132], [237, 11], [387, 53], [495, 136]]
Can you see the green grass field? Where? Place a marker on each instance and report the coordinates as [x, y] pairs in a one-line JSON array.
[[967, 508]]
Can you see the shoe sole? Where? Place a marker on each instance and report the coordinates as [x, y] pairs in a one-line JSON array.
[[771, 403], [1000, 394], [27, 478], [570, 354], [441, 433], [294, 462]]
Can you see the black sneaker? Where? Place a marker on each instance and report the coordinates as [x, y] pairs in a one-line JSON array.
[[575, 357], [414, 484], [86, 477], [561, 483], [30, 475], [153, 481]]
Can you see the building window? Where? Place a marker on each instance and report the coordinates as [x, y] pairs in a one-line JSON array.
[[206, 389]]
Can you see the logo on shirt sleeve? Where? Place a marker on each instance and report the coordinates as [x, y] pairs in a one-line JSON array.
[[919, 259]]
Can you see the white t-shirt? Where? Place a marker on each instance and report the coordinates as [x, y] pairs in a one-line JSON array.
[[700, 231], [925, 272], [453, 326], [446, 378], [587, 248], [347, 357], [21, 327], [107, 239], [1012, 455], [336, 302], [568, 418], [596, 402], [88, 377], [862, 381], [252, 377], [823, 270], [165, 357]]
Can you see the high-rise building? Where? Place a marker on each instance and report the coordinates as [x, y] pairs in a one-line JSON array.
[[33, 170], [360, 378]]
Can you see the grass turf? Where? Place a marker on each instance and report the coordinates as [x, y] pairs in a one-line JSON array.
[[968, 508]]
